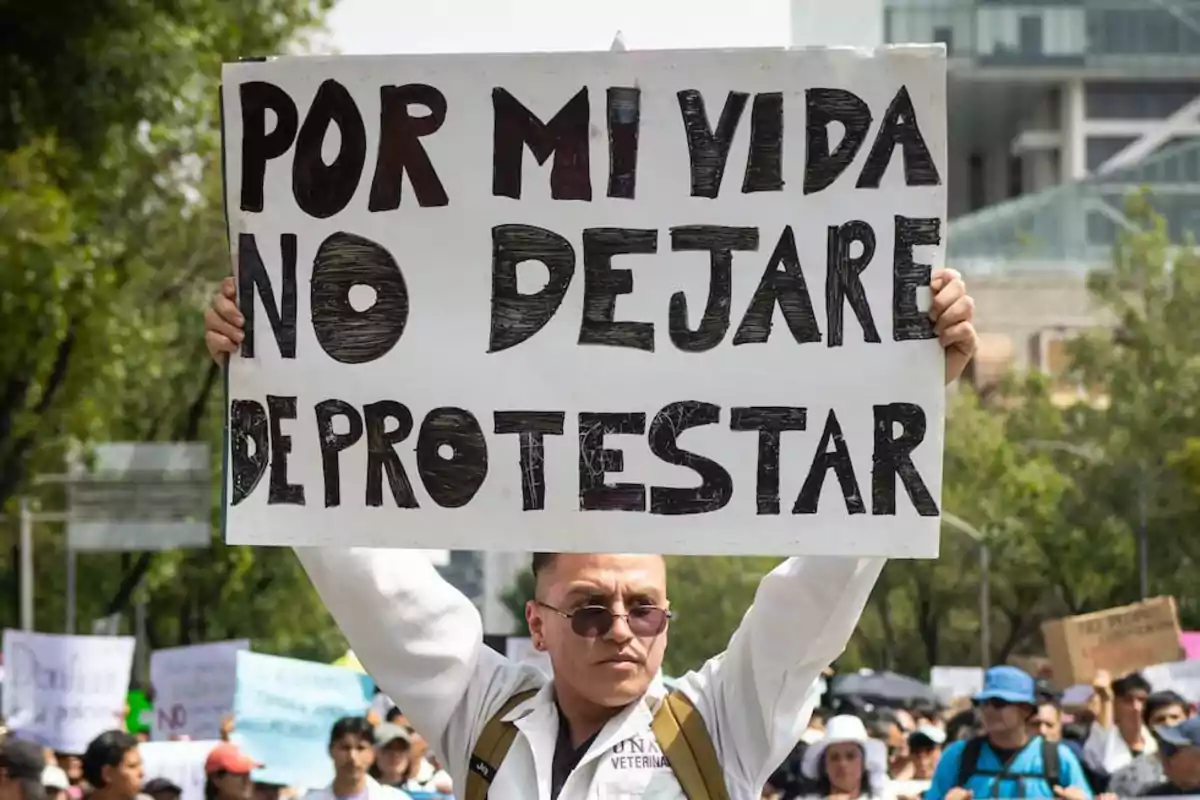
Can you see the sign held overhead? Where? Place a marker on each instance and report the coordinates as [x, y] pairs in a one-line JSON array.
[[667, 301]]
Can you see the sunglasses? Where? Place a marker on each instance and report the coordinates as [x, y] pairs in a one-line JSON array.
[[595, 621]]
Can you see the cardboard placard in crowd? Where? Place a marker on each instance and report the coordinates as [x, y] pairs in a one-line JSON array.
[[285, 709], [63, 691], [182, 763], [669, 302], [1120, 640], [193, 688]]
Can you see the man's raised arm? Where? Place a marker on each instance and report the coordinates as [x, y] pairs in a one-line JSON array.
[[757, 696], [419, 638]]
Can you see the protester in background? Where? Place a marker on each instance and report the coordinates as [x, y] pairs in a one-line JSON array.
[[846, 763], [1162, 710], [393, 748], [352, 748], [425, 780], [963, 725], [1006, 762], [72, 765], [925, 750], [1118, 735], [1180, 760], [227, 773], [788, 781], [113, 767], [1047, 719], [162, 789], [21, 767], [55, 782], [926, 713]]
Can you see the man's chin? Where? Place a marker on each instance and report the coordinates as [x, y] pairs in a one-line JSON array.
[[619, 684]]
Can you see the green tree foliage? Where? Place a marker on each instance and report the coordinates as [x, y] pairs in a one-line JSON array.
[[111, 238]]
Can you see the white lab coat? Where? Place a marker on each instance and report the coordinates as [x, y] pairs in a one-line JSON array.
[[375, 791], [422, 641]]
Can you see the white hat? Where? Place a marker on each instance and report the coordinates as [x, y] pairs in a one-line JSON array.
[[55, 778], [840, 729]]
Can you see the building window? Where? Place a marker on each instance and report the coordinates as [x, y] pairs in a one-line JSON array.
[[1101, 148], [976, 182], [1016, 176]]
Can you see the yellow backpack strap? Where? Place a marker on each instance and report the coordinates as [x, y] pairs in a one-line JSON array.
[[684, 739], [491, 747]]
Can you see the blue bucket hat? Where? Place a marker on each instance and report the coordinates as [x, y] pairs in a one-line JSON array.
[[1185, 734], [1009, 684]]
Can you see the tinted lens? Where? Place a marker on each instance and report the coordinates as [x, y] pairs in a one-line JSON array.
[[995, 702], [591, 621], [647, 620]]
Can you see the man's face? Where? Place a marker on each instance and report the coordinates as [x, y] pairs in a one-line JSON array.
[[612, 669], [233, 785], [1127, 708], [72, 765], [352, 757], [924, 760], [266, 791], [1047, 723], [1000, 718], [392, 759], [125, 778], [1183, 768], [1168, 716]]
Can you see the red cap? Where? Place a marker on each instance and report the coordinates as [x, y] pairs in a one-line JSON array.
[[226, 757]]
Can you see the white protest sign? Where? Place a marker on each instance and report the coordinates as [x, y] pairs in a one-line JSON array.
[[194, 688], [63, 691], [955, 682], [1178, 676], [182, 763], [696, 328]]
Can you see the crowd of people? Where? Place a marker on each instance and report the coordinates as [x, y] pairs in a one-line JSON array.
[[1016, 738], [372, 759]]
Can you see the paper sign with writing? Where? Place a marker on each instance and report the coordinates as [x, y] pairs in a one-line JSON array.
[[665, 301], [1119, 640], [954, 682], [194, 688], [1180, 676], [63, 691], [285, 709], [182, 763]]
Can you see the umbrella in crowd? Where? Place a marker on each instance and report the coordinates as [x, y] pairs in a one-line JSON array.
[[881, 688]]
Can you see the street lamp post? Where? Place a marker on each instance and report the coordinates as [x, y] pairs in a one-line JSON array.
[[985, 584]]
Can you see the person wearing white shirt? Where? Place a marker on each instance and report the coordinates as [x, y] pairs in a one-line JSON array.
[[1118, 736], [352, 748]]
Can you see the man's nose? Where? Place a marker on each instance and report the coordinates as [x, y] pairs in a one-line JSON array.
[[620, 631]]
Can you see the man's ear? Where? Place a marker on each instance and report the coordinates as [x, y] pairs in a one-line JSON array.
[[537, 632]]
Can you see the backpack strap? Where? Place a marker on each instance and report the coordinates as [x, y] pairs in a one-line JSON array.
[[968, 763], [491, 747], [688, 748], [1051, 766]]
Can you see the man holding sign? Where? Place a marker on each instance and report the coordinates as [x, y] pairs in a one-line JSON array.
[[401, 305]]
